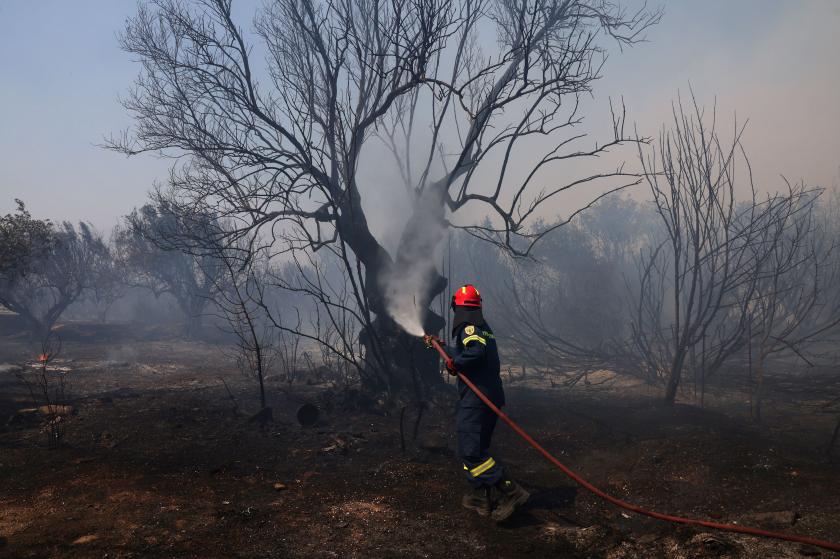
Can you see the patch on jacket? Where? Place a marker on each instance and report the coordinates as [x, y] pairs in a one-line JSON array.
[[469, 330]]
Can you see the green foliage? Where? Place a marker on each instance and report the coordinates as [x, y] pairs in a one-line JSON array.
[[23, 240]]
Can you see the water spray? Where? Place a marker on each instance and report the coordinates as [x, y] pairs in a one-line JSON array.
[[407, 314]]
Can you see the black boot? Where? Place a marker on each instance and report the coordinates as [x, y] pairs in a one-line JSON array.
[[479, 501], [511, 496]]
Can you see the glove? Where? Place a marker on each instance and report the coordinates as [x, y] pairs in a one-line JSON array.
[[450, 367], [429, 338]]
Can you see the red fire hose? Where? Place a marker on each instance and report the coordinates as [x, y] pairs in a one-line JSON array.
[[618, 502]]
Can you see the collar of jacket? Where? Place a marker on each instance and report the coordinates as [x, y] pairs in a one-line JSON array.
[[466, 315]]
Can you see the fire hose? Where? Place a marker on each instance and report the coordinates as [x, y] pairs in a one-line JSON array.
[[614, 500]]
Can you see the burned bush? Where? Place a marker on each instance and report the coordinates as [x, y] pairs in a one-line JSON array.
[[47, 268]]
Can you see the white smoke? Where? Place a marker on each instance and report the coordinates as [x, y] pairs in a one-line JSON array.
[[407, 282], [401, 296]]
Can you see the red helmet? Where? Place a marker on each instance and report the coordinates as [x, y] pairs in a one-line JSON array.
[[467, 296]]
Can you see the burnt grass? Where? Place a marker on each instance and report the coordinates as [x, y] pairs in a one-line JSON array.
[[156, 463]]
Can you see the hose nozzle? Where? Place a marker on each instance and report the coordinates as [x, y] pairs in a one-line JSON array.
[[430, 340]]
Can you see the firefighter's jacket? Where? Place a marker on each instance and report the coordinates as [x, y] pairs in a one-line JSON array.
[[476, 355]]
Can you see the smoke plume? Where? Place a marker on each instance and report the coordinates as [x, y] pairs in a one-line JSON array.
[[408, 283]]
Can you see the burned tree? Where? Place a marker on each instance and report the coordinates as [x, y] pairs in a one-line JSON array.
[[312, 298], [789, 305], [51, 268], [567, 296], [697, 287], [573, 296], [688, 281], [108, 287], [153, 258], [239, 299], [279, 154]]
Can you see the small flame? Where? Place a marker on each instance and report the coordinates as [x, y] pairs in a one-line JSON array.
[[43, 358]]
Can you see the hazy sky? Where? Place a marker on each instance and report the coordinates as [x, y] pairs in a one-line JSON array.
[[61, 71]]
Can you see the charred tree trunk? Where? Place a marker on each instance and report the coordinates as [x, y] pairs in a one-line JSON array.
[[758, 391], [674, 378], [703, 375], [404, 362], [260, 376]]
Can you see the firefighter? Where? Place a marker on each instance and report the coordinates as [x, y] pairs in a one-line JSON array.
[[475, 354]]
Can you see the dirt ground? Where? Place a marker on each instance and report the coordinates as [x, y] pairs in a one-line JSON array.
[[155, 463]]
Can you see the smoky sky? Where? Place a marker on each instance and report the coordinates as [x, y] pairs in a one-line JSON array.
[[770, 61]]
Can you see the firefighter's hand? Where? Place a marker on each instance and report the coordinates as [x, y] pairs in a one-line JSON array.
[[450, 367], [429, 338]]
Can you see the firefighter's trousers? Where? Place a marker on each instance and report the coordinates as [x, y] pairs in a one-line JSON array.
[[475, 423]]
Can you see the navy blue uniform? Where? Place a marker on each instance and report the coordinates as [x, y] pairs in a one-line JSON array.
[[475, 354]]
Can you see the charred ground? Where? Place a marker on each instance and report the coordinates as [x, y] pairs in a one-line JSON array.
[[156, 463]]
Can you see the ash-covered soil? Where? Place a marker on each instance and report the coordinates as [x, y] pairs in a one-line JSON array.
[[156, 463]]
